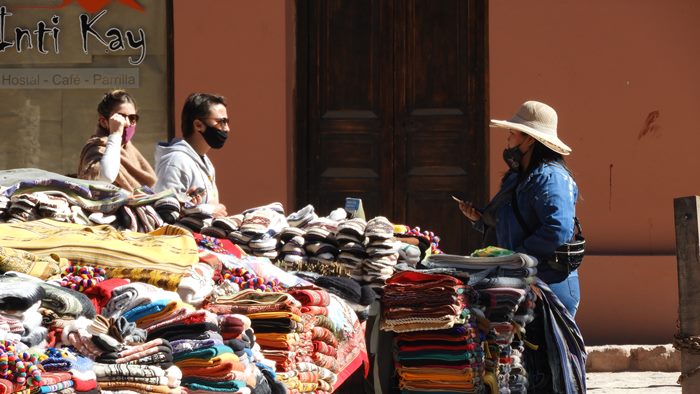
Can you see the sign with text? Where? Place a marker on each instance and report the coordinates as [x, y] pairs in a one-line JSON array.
[[30, 30], [68, 78], [58, 58]]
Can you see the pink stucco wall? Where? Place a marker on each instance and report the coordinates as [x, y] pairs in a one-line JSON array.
[[622, 76], [237, 48]]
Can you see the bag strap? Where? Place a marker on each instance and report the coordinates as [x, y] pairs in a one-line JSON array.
[[577, 226], [518, 215]]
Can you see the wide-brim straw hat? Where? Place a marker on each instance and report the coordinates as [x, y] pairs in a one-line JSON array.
[[538, 120]]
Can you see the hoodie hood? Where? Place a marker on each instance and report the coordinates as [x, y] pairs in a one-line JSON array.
[[179, 167], [165, 151]]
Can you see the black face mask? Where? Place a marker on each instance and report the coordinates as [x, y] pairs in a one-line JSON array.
[[215, 138], [512, 157]]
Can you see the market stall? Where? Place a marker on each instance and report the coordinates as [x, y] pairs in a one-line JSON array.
[[147, 293]]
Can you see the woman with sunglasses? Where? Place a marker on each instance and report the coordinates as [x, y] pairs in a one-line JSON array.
[[109, 154]]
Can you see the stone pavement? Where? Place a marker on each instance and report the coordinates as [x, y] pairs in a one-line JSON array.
[[632, 383], [636, 369]]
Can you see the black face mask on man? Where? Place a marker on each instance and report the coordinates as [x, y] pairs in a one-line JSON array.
[[512, 157], [214, 137]]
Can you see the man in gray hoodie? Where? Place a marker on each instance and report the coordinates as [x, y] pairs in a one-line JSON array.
[[183, 165]]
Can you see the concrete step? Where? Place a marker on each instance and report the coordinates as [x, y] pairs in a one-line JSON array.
[[629, 358]]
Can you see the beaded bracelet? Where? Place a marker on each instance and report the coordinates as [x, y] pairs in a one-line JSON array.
[[81, 278], [248, 280], [428, 235], [213, 244], [20, 368]]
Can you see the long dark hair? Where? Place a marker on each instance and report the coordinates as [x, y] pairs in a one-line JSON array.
[[543, 155]]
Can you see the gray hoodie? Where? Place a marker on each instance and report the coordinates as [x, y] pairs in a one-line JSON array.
[[179, 167]]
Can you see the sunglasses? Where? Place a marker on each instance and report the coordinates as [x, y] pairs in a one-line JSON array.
[[221, 121], [133, 118]]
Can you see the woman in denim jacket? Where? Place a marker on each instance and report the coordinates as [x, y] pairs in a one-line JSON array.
[[540, 184]]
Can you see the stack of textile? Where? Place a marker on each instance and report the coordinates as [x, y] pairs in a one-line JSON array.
[[488, 267], [502, 278], [500, 305], [56, 382], [60, 306], [524, 315], [351, 241], [223, 226], [437, 343], [382, 251], [20, 319], [321, 245], [275, 319], [84, 378], [194, 217], [259, 229], [292, 245], [172, 311], [316, 343]]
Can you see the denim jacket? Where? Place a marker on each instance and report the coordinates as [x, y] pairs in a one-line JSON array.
[[547, 203]]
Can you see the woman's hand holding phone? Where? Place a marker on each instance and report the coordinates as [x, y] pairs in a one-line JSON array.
[[468, 209]]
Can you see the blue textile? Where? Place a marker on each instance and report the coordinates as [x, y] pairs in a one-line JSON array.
[[140, 311], [558, 366]]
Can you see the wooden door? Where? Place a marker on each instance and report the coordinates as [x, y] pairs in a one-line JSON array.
[[391, 104]]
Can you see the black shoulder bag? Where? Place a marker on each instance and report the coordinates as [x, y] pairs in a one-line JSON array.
[[567, 257]]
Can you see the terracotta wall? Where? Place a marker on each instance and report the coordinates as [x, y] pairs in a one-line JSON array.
[[238, 48], [623, 77]]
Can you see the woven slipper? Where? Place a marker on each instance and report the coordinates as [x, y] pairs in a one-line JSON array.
[[167, 204], [288, 233], [301, 217], [290, 248], [273, 206], [292, 258], [214, 231], [239, 238], [230, 223], [100, 218], [151, 212], [257, 222], [338, 214], [264, 243], [354, 226], [379, 228], [321, 228], [317, 248]]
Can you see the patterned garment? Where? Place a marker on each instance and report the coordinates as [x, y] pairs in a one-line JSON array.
[[152, 258], [91, 195], [28, 263], [310, 296], [564, 359]]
